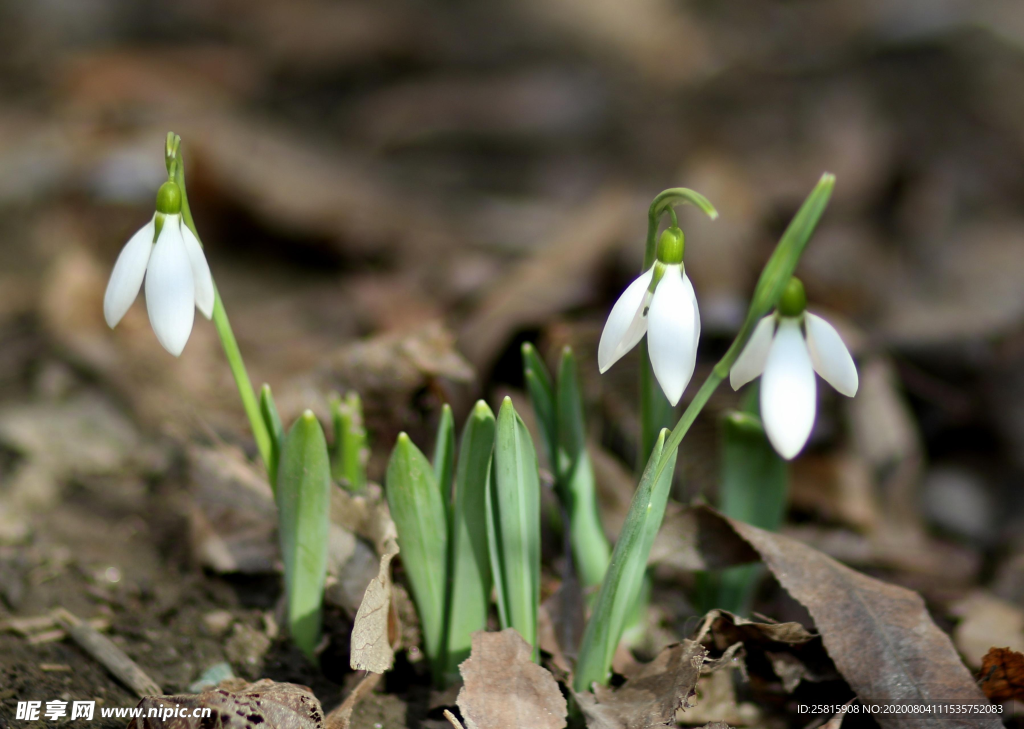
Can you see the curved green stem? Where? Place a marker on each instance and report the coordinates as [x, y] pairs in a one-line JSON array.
[[176, 169]]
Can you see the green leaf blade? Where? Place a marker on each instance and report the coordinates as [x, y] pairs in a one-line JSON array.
[[444, 452], [469, 552], [268, 409], [753, 489], [303, 501], [421, 520], [517, 504], [784, 259], [351, 451], [542, 397], [625, 575]]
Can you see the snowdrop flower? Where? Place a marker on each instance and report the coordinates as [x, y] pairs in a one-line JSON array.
[[168, 255], [661, 304], [786, 349]]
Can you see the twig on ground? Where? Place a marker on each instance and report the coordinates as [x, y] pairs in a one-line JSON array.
[[103, 650]]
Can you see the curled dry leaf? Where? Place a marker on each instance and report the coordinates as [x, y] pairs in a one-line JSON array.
[[1002, 675], [261, 705], [504, 689], [652, 693], [784, 652], [880, 636]]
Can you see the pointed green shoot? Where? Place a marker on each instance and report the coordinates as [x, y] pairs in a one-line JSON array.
[[469, 566], [624, 579], [350, 452], [421, 520], [753, 489], [444, 453], [542, 397], [575, 481], [303, 503], [514, 525], [268, 409]]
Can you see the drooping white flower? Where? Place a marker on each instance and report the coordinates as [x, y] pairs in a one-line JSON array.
[[662, 305], [785, 350], [178, 279]]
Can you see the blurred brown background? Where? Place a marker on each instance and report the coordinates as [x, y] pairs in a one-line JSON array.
[[394, 195]]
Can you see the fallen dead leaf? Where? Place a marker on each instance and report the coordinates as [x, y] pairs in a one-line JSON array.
[[264, 704], [504, 689], [371, 632], [651, 694], [341, 717], [879, 635]]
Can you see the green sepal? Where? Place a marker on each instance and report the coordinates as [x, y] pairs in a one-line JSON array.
[[421, 520], [303, 503]]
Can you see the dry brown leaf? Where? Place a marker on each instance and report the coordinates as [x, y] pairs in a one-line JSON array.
[[879, 635], [1002, 675], [341, 717], [261, 705], [505, 689], [371, 632], [651, 695], [793, 653]]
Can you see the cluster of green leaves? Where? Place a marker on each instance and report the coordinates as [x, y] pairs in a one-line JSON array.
[[466, 526]]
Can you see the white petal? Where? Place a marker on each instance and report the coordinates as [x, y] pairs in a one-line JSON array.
[[201, 276], [170, 292], [126, 278], [672, 332], [626, 323], [750, 363], [788, 396], [830, 357]]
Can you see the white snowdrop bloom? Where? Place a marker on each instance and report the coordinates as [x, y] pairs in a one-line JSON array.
[[785, 350], [178, 279], [662, 305]]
